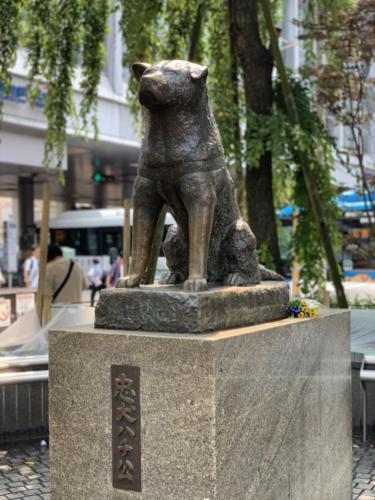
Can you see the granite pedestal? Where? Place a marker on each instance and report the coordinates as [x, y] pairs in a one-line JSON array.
[[261, 412], [166, 308]]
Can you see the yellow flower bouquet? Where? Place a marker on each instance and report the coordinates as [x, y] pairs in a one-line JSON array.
[[302, 308]]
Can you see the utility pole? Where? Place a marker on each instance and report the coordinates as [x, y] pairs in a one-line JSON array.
[[126, 235], [40, 305]]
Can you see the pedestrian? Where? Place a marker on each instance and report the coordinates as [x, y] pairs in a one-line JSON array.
[[116, 272], [96, 278], [65, 279], [31, 268], [113, 255], [2, 279]]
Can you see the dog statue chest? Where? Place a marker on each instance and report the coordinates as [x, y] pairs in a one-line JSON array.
[[175, 138]]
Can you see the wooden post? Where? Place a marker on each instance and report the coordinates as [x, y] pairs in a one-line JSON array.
[[326, 298], [47, 309], [126, 235], [295, 265], [43, 252], [155, 248]]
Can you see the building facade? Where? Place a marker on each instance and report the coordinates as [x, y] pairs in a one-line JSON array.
[[112, 156], [294, 57]]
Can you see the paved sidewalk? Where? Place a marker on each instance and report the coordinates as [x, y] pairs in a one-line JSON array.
[[363, 472], [24, 472]]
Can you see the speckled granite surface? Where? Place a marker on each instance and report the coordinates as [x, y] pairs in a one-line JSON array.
[[164, 308], [260, 412]]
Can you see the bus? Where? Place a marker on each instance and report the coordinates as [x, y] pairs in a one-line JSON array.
[[95, 233]]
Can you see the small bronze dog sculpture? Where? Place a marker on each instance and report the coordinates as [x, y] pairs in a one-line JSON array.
[[182, 165]]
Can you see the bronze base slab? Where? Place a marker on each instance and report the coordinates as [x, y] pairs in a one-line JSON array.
[[168, 308]]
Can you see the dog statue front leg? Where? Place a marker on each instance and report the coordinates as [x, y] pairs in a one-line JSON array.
[[147, 206], [198, 195]]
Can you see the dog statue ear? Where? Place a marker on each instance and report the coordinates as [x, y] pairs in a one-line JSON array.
[[139, 68], [198, 72]]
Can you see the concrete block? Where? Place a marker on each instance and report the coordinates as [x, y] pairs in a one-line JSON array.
[[260, 412]]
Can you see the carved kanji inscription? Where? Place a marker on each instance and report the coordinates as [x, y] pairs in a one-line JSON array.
[[126, 427]]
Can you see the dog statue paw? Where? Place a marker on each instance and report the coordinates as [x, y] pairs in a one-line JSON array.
[[195, 285], [130, 281]]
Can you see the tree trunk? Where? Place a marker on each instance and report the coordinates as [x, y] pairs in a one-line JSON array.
[[196, 33], [260, 207], [257, 64], [240, 181]]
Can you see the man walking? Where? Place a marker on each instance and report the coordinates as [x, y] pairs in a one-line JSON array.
[[96, 278], [31, 268], [64, 279]]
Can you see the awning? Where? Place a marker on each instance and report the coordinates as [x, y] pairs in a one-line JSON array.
[[348, 201]]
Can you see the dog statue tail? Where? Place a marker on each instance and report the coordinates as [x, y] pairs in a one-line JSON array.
[[268, 275]]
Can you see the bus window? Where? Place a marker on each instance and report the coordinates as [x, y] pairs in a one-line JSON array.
[[111, 238], [59, 236], [92, 241], [74, 238]]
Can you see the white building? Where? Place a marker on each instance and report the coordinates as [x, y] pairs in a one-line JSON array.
[[22, 146], [294, 58]]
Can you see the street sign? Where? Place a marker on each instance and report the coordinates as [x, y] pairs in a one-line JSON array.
[[5, 312], [10, 246], [24, 303]]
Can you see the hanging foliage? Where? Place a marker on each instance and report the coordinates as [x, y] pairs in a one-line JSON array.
[[177, 24], [62, 44], [55, 34], [274, 132], [95, 27], [35, 37], [313, 138], [155, 30], [9, 28], [139, 24]]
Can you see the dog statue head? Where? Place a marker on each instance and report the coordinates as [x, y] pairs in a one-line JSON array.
[[169, 83]]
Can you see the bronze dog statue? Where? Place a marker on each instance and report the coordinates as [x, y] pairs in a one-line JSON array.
[[182, 165]]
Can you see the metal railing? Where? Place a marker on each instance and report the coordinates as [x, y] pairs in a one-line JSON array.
[[367, 374], [23, 397]]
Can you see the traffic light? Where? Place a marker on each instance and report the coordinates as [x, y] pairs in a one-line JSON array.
[[98, 165], [100, 178]]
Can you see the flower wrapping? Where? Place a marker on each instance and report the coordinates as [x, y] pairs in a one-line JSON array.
[[302, 308]]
